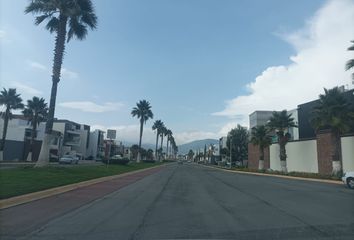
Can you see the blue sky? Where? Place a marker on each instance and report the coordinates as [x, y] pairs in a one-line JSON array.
[[202, 64]]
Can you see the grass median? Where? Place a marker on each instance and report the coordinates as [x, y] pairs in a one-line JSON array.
[[22, 180]]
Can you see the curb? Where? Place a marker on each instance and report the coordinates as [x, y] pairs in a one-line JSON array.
[[280, 176], [29, 197]]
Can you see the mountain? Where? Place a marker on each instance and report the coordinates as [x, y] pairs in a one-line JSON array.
[[195, 145]]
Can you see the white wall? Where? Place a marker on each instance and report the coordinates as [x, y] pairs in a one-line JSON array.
[[348, 153], [302, 156]]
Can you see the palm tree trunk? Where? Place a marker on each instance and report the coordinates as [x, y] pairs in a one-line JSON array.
[[157, 142], [167, 147], [33, 134], [4, 132], [140, 137], [161, 146], [43, 158]]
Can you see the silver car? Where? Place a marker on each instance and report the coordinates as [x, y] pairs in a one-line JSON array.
[[69, 159]]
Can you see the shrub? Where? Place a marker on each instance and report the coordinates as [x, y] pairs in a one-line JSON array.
[[122, 161], [149, 161]]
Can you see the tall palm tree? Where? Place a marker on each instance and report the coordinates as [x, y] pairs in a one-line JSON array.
[[280, 122], [67, 19], [260, 137], [36, 112], [143, 112], [162, 134], [350, 63], [333, 113], [168, 135], [158, 124], [12, 101]]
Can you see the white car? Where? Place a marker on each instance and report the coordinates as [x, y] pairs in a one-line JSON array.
[[69, 159], [348, 178]]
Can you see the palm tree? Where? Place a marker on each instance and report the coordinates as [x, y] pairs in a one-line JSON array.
[[12, 101], [143, 112], [36, 112], [67, 19], [158, 125], [350, 63], [333, 113], [169, 135], [260, 137], [162, 133], [280, 122]]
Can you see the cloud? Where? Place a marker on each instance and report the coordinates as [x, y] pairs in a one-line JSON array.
[[87, 106], [321, 53], [22, 88], [66, 73], [37, 66], [130, 133]]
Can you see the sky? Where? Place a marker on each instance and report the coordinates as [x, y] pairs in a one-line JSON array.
[[204, 65]]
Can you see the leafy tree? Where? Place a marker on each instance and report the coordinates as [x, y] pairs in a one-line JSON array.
[[280, 122], [261, 138], [158, 125], [350, 63], [12, 101], [134, 151], [67, 19], [333, 113], [36, 111], [150, 154], [190, 154], [239, 143], [143, 112]]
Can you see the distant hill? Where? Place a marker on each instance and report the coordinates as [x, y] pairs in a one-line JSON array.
[[195, 145]]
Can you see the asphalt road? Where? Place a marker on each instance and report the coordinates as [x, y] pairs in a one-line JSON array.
[[195, 202]]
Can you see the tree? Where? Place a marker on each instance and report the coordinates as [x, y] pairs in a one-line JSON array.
[[190, 154], [158, 125], [350, 63], [67, 19], [36, 112], [150, 154], [162, 134], [168, 135], [333, 113], [280, 122], [238, 137], [12, 101], [261, 138], [143, 112], [134, 151]]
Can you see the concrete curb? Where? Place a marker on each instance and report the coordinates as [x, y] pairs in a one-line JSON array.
[[279, 176], [13, 201]]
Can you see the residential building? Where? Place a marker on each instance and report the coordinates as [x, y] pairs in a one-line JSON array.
[[75, 137], [96, 145]]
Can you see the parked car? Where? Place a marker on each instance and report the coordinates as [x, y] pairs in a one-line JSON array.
[[348, 178], [69, 159]]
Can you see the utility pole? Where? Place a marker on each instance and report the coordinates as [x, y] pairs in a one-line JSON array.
[[230, 151]]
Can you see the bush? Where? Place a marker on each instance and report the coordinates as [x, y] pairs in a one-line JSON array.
[[122, 161], [149, 161]]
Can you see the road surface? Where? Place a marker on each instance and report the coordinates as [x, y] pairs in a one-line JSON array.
[[196, 202]]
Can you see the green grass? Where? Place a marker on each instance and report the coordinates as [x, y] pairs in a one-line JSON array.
[[22, 180]]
